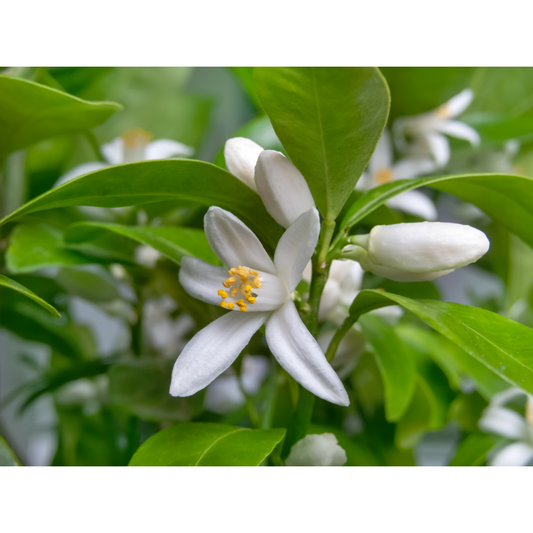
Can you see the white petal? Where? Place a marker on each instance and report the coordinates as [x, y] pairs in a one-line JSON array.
[[282, 188], [382, 156], [411, 167], [234, 243], [415, 203], [503, 421], [241, 157], [516, 454], [114, 151], [299, 354], [202, 280], [317, 450], [212, 350], [459, 102], [507, 395], [147, 256], [296, 247], [165, 148], [460, 130], [79, 170], [439, 147]]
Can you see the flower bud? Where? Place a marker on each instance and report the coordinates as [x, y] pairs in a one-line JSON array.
[[282, 187], [241, 157], [317, 450], [424, 246], [356, 253]]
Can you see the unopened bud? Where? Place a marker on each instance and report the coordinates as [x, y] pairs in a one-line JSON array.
[[241, 157], [317, 450]]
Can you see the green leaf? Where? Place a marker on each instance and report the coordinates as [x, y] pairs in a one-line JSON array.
[[502, 345], [395, 363], [173, 242], [10, 284], [329, 121], [33, 112], [246, 78], [504, 197], [7, 457], [205, 444], [87, 284], [473, 450], [35, 247], [159, 181]]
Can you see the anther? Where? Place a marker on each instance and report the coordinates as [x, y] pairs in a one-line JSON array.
[[234, 292], [222, 293], [240, 303], [250, 299], [257, 282], [243, 308], [230, 305], [248, 288], [224, 304], [232, 271], [229, 282], [253, 272]]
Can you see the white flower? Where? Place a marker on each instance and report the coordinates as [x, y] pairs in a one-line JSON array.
[[135, 145], [147, 256], [224, 395], [508, 423], [427, 129], [382, 170], [423, 246], [278, 182], [257, 289], [317, 450]]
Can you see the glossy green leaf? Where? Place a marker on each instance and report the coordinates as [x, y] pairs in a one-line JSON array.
[[473, 450], [34, 247], [329, 121], [504, 346], [159, 181], [246, 78], [504, 197], [7, 457], [205, 444], [91, 285], [395, 363], [10, 284], [173, 242], [33, 112]]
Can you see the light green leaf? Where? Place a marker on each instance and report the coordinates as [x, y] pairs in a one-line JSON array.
[[160, 181], [33, 112], [395, 363], [505, 198], [329, 121], [7, 457], [502, 345], [205, 444], [473, 450], [10, 284], [173, 242]]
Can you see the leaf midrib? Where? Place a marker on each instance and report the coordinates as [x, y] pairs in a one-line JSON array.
[[222, 437]]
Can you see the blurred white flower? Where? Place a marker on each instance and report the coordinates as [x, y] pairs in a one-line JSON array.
[[135, 145], [147, 256], [508, 423], [381, 169], [427, 129], [317, 450], [224, 395]]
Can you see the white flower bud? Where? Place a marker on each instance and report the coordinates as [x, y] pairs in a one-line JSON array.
[[424, 246], [241, 157], [356, 253], [147, 256], [282, 187], [317, 450]]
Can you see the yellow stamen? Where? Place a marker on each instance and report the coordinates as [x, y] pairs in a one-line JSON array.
[[137, 137], [443, 111], [253, 272], [243, 274], [257, 282], [222, 294], [224, 304], [383, 175], [234, 292], [240, 303], [229, 282], [250, 299], [248, 288], [230, 305], [243, 308], [232, 271]]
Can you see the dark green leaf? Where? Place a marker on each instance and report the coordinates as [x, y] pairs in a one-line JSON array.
[[205, 444], [7, 457], [329, 121]]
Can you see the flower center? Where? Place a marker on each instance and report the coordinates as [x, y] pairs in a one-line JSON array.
[[443, 111], [242, 281], [383, 175], [134, 145]]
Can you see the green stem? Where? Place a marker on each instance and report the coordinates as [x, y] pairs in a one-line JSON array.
[[339, 335], [89, 135], [271, 396]]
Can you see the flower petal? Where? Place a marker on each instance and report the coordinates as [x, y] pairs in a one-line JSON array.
[[165, 148], [439, 147], [507, 395], [114, 151], [503, 421], [382, 156], [459, 102], [415, 203], [202, 280], [516, 454], [234, 243], [282, 187], [212, 350], [79, 170], [299, 354], [296, 247], [460, 130], [241, 157]]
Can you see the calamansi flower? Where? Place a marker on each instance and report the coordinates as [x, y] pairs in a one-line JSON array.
[[317, 450], [278, 182], [253, 289], [134, 145], [508, 423], [382, 170], [427, 129]]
